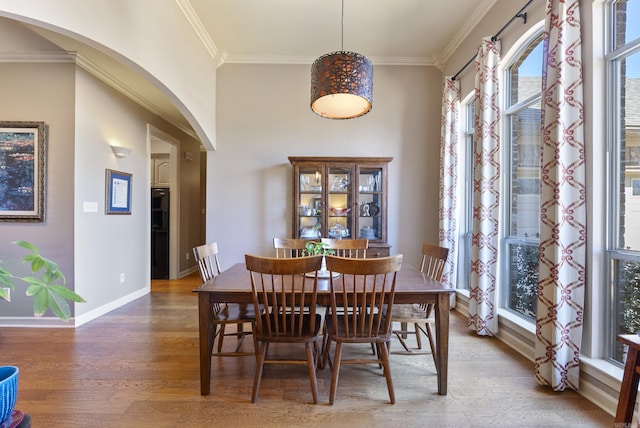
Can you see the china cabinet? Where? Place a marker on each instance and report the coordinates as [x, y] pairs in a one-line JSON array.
[[341, 197]]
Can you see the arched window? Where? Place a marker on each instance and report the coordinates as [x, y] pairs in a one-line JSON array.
[[522, 147]]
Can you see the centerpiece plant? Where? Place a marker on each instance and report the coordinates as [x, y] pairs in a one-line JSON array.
[[318, 248]]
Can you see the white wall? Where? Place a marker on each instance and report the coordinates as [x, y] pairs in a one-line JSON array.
[[108, 245], [161, 55], [28, 95], [84, 116], [264, 117]]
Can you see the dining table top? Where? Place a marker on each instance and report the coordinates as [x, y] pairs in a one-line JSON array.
[[411, 283]]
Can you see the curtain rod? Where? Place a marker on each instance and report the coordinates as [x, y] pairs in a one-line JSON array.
[[521, 14]]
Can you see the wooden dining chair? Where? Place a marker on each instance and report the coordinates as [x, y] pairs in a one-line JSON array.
[[224, 314], [360, 295], [289, 247], [281, 292], [347, 247], [433, 261]]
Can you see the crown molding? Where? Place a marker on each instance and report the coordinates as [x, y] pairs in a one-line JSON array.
[[466, 28], [95, 70], [265, 59], [38, 56], [198, 28]]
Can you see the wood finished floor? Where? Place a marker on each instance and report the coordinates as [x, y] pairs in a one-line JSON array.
[[138, 367]]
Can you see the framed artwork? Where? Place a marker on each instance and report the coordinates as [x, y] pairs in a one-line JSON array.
[[633, 155], [22, 171], [117, 192], [635, 187]]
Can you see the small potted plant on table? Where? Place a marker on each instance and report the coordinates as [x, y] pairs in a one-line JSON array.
[[319, 248]]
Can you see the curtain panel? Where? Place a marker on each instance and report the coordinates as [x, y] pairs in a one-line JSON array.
[[563, 202], [483, 309], [449, 207]]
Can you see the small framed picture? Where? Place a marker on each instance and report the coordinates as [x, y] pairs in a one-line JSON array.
[[635, 187], [117, 192]]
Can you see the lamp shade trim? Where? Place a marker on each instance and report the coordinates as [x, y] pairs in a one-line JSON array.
[[342, 85]]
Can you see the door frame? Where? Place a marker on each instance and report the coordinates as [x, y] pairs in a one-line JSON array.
[[173, 145]]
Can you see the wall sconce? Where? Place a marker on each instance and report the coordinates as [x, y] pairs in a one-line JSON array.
[[120, 152]]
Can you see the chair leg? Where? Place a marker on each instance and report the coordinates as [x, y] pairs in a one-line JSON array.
[[311, 365], [417, 331], [212, 336], [336, 371], [401, 340], [262, 352], [377, 347], [325, 353], [240, 330], [221, 337], [432, 344], [403, 327], [387, 372]]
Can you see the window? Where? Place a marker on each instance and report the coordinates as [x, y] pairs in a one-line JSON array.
[[522, 141], [466, 203], [623, 102]]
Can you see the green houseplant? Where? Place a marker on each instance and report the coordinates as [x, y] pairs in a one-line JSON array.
[[49, 290], [318, 248]]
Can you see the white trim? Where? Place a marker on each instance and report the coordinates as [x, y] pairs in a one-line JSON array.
[[54, 322]]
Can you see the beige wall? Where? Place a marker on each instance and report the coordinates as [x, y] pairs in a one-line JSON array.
[[84, 116], [264, 117]]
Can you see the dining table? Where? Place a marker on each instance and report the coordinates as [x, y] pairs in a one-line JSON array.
[[233, 285]]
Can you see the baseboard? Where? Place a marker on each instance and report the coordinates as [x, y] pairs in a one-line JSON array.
[[98, 312], [600, 381]]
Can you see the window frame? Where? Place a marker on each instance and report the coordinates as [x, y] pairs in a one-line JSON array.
[[509, 241], [615, 255]]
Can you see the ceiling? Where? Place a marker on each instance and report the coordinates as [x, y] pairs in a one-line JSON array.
[[406, 32], [298, 31]]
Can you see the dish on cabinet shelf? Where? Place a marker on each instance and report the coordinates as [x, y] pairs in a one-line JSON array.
[[309, 233], [340, 211], [369, 209]]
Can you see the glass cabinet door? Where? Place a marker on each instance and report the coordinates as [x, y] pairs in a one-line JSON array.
[[341, 198], [340, 202], [370, 203], [310, 203]]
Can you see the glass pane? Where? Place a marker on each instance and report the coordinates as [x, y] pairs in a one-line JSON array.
[[310, 208], [627, 21], [629, 230], [525, 171], [523, 263], [340, 205], [627, 303], [370, 200], [526, 73]]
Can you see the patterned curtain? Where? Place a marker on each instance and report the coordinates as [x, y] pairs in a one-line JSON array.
[[562, 201], [483, 315], [449, 217]]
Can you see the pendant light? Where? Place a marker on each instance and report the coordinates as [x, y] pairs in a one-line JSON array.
[[342, 83]]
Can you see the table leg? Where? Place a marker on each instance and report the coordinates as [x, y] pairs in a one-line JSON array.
[[442, 340], [628, 388], [204, 311]]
